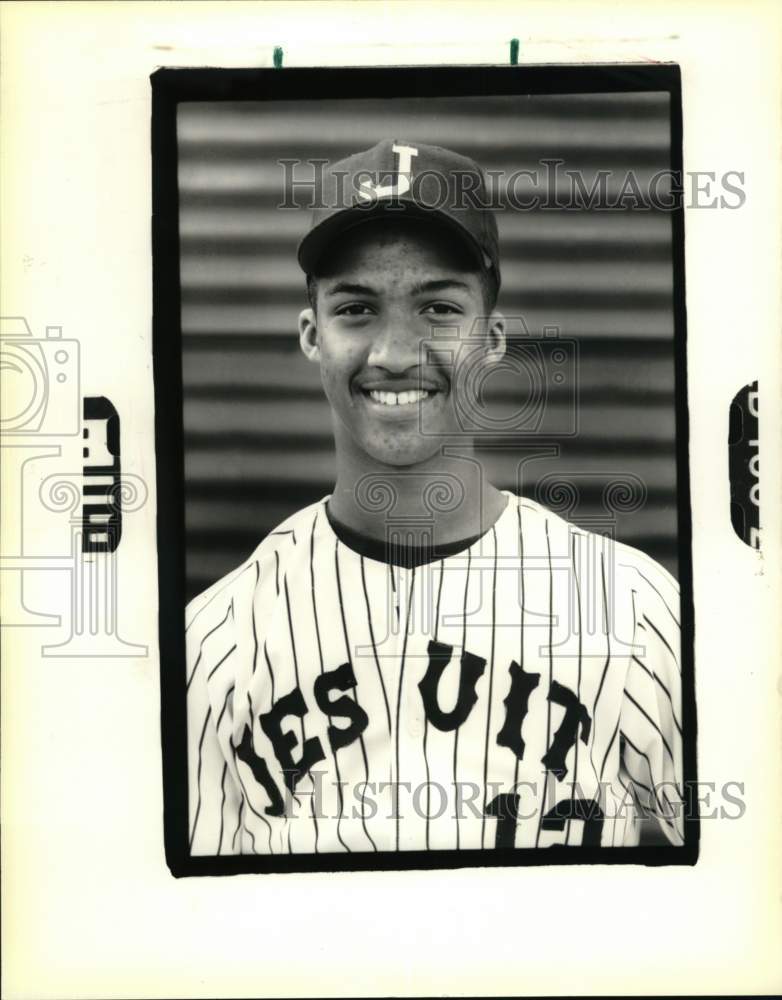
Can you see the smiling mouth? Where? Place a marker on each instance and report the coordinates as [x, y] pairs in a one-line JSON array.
[[408, 397]]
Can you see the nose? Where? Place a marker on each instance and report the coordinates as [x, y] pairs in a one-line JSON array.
[[395, 346]]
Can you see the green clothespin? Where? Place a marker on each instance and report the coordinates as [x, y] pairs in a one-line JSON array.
[[514, 52], [277, 57]]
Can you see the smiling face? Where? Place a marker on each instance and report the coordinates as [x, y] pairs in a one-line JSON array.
[[388, 290]]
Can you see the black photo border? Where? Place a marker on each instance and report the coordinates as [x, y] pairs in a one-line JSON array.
[[170, 87]]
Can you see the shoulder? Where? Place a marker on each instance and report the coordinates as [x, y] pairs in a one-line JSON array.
[[627, 567], [642, 571], [535, 514], [213, 604], [553, 533], [292, 530]]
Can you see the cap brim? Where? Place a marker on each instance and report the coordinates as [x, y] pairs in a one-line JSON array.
[[316, 241]]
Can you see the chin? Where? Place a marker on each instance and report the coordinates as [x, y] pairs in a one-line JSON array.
[[402, 454]]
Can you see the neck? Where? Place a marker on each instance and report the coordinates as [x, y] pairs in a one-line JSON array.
[[440, 501]]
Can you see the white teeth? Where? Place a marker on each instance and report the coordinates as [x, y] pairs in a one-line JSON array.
[[398, 398]]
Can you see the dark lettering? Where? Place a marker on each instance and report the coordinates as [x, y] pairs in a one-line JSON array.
[[471, 669], [340, 679], [565, 737], [584, 809], [260, 771], [505, 809], [516, 704], [284, 741]]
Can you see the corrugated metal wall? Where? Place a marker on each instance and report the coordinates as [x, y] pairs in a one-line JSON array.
[[257, 429]]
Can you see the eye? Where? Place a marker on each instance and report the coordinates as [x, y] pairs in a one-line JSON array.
[[441, 309], [354, 309]]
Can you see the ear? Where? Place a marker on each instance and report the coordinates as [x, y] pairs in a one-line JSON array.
[[308, 335], [495, 337]]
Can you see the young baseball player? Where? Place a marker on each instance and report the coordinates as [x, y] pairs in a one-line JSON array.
[[419, 660]]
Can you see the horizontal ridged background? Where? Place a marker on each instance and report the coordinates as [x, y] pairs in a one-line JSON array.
[[257, 427]]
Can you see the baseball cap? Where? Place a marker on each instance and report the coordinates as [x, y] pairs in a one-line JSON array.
[[399, 179]]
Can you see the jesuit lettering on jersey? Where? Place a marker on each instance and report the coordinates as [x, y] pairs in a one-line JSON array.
[[575, 722], [522, 693]]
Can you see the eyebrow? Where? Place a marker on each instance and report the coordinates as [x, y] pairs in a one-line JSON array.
[[345, 287]]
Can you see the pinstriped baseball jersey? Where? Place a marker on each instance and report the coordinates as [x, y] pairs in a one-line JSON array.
[[524, 691]]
